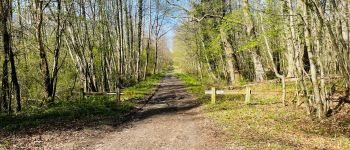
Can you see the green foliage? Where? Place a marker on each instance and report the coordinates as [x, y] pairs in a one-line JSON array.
[[249, 44], [185, 46], [233, 21], [102, 109], [65, 111], [213, 48]]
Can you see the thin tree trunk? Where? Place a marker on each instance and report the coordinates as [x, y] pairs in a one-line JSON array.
[[6, 36], [155, 69], [90, 67], [313, 70], [291, 70], [275, 70], [139, 42], [42, 53], [149, 40], [56, 52]]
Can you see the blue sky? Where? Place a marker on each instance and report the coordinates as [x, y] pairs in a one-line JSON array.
[[175, 20]]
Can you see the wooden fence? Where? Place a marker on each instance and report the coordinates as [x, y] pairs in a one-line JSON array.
[[231, 91], [83, 94], [213, 92]]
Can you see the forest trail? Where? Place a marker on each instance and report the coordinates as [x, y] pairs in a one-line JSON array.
[[170, 120]]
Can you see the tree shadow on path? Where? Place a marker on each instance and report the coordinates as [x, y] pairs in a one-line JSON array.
[[170, 97]]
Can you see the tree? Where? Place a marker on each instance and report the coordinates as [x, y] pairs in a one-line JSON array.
[[307, 40], [5, 15], [139, 44]]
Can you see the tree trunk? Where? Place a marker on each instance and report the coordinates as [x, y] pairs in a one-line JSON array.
[[42, 53], [229, 55], [155, 69], [275, 70], [90, 67], [59, 33], [290, 40], [6, 12], [312, 59], [149, 40], [258, 68], [139, 42]]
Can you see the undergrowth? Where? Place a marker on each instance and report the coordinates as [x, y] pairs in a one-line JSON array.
[[266, 124], [89, 110]]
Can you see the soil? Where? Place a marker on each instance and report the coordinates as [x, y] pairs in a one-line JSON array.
[[170, 120]]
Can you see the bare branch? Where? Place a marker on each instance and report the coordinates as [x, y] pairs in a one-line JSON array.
[[193, 17]]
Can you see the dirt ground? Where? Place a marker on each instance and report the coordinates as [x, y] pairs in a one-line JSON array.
[[170, 120]]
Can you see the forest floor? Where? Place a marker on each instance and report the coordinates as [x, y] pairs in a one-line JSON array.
[[170, 119], [265, 123]]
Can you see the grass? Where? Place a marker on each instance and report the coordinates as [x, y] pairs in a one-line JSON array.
[[194, 86], [267, 124], [141, 89], [88, 111]]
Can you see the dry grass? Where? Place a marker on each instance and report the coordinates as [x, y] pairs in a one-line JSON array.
[[267, 124]]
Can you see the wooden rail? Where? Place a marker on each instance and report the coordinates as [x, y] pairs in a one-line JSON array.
[[83, 94], [213, 92], [241, 91], [99, 93]]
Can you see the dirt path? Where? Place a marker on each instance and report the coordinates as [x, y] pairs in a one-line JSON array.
[[171, 120]]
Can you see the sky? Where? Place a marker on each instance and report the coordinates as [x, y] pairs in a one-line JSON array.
[[170, 38], [174, 20]]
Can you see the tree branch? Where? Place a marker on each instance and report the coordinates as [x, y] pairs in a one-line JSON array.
[[193, 17]]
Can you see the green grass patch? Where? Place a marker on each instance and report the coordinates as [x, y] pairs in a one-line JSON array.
[[90, 110], [65, 111], [194, 86], [141, 89]]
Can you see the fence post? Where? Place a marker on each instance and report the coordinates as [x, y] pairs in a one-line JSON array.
[[82, 96], [117, 95], [213, 95], [247, 95]]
